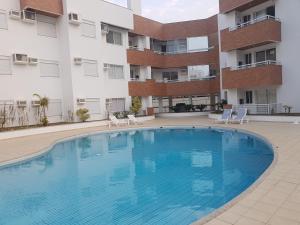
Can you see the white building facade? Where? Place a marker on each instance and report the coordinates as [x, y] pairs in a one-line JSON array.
[[75, 57]]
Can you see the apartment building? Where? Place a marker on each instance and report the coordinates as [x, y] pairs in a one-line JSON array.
[[70, 51], [174, 63], [259, 46], [97, 55]]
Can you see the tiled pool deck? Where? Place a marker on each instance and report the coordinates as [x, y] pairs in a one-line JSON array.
[[274, 201]]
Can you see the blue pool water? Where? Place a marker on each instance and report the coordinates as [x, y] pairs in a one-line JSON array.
[[156, 176]]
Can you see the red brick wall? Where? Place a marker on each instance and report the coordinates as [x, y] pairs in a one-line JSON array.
[[240, 5], [50, 7], [152, 88], [149, 58], [172, 31], [253, 35], [262, 76]]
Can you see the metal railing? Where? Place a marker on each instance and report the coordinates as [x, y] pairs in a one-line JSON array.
[[260, 19], [174, 52], [260, 109], [257, 64], [184, 51]]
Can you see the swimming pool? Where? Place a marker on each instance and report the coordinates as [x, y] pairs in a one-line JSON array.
[[151, 176]]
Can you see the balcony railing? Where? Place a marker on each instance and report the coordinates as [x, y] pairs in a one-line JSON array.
[[174, 52], [253, 65], [260, 19], [261, 109]]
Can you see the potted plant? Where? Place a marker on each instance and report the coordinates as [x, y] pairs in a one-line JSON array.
[[44, 104], [83, 114]]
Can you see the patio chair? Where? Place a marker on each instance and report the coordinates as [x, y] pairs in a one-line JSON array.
[[240, 117], [226, 116], [117, 122], [132, 119]]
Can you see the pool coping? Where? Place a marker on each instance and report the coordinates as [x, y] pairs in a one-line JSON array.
[[206, 218]]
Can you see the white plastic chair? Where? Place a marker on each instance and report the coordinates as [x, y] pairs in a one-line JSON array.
[[240, 117], [133, 119], [226, 116], [116, 122]]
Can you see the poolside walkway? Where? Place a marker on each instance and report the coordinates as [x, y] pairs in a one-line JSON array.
[[275, 201]]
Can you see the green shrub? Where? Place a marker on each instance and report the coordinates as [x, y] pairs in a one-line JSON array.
[[136, 105], [83, 114]]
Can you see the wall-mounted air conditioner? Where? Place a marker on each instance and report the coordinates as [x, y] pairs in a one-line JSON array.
[[33, 61], [77, 61], [81, 101], [28, 16], [104, 29], [21, 59], [21, 103], [105, 66], [15, 14], [74, 18], [35, 103]]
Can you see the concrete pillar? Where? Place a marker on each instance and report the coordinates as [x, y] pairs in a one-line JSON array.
[[160, 105], [191, 100], [135, 6], [170, 101]]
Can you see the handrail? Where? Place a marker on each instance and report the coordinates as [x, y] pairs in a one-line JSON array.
[[184, 51], [172, 53], [259, 19], [257, 64]]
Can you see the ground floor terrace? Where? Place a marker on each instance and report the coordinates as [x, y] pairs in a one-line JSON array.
[[273, 200]]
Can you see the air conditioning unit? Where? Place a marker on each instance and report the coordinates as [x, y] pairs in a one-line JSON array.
[[28, 16], [81, 101], [35, 103], [20, 58], [78, 61], [104, 29], [33, 61], [21, 103], [15, 14], [106, 67], [74, 18]]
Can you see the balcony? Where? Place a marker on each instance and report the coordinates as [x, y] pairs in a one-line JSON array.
[[239, 5], [147, 57], [175, 88], [255, 33], [48, 7], [262, 74]]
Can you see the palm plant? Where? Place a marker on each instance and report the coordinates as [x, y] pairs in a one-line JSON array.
[[44, 103]]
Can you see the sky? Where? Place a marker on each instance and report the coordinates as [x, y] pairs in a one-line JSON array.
[[168, 11]]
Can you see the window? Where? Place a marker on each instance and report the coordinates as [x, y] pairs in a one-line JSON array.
[[271, 11], [49, 68], [115, 105], [90, 67], [93, 105], [246, 18], [5, 65], [114, 37], [3, 20], [88, 29], [46, 26], [263, 56], [198, 72], [170, 75], [248, 58], [54, 108], [249, 97], [115, 72], [197, 44], [271, 54]]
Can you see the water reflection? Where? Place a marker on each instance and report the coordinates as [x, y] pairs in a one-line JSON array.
[[139, 177]]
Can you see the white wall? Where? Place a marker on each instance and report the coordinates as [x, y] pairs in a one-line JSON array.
[[69, 42], [288, 50]]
